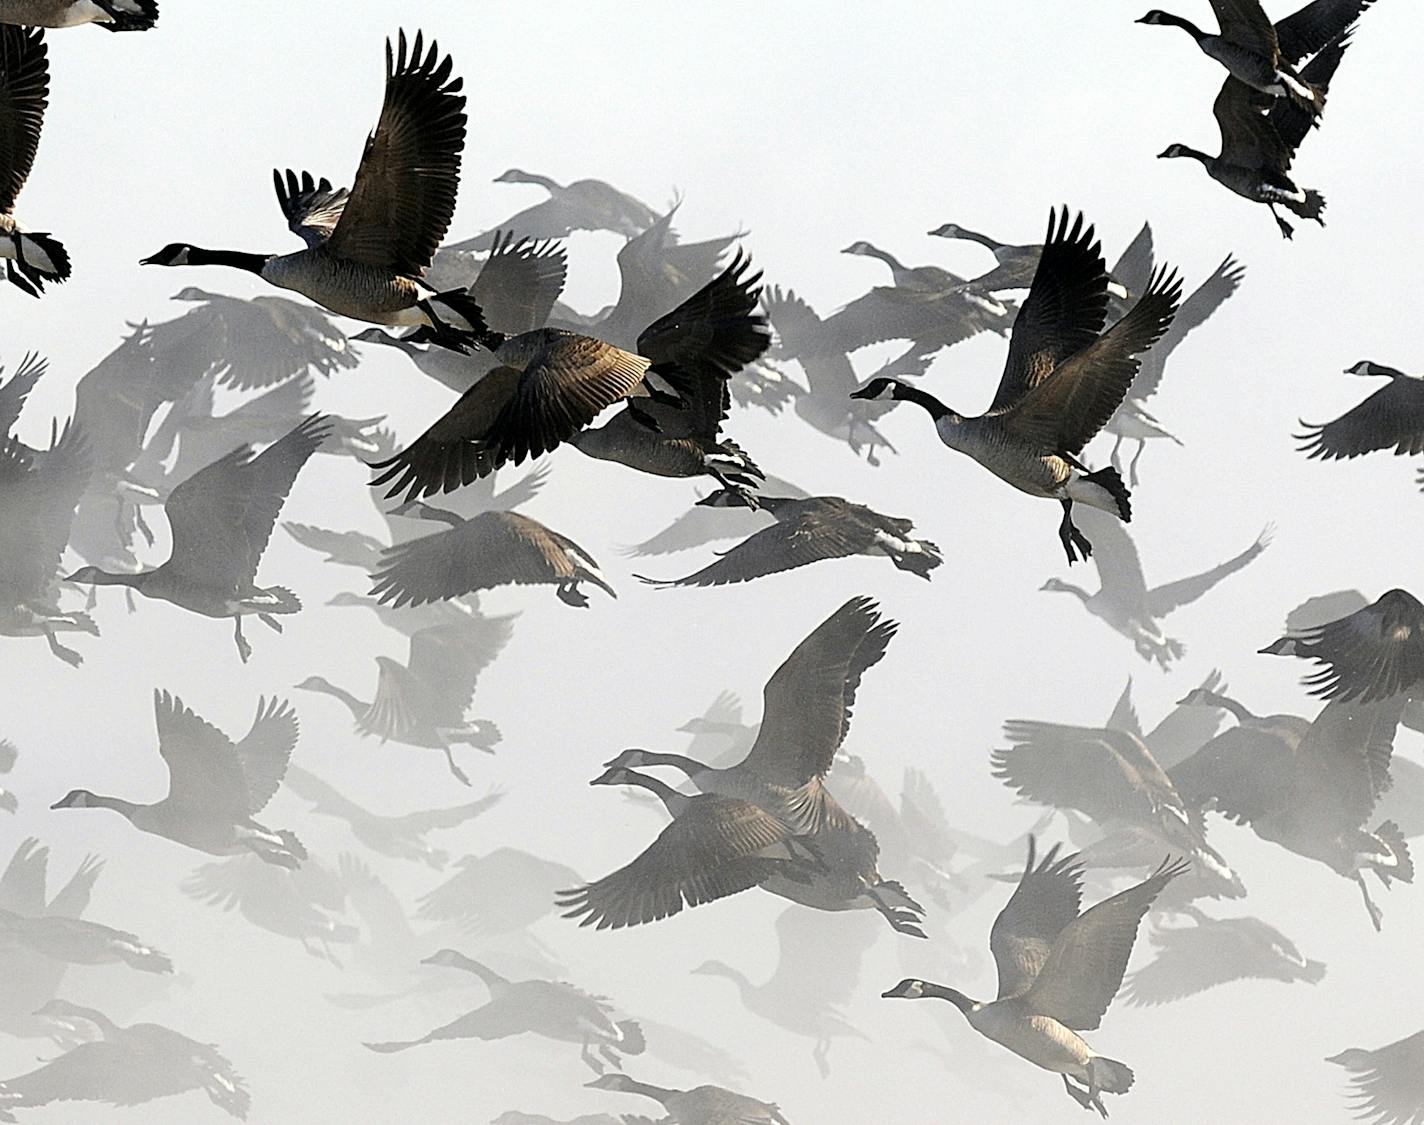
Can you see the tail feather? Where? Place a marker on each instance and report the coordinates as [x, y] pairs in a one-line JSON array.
[[1111, 481], [465, 308], [1109, 1075], [1312, 207], [130, 15], [40, 257], [633, 1041], [1392, 836], [287, 602]]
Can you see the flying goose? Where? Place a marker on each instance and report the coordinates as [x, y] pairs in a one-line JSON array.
[[705, 523], [806, 531], [76, 941], [221, 518], [927, 278], [581, 205], [8, 754], [368, 248], [1016, 264], [111, 15], [1123, 600], [31, 257], [1387, 1083], [1063, 380], [1392, 416], [702, 1105], [502, 892], [215, 786], [1058, 972], [552, 383]]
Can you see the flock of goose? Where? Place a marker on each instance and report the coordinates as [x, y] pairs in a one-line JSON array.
[[783, 805]]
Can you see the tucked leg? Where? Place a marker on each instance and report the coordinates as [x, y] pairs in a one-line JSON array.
[[455, 770], [244, 649], [1286, 229], [1376, 915], [68, 655], [1073, 540]]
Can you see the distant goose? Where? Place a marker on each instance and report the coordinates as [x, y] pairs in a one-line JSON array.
[[1392, 416], [809, 530], [502, 892], [31, 257], [80, 942], [221, 518], [1058, 972], [1126, 604], [1387, 1084], [704, 523], [702, 1105], [581, 205], [111, 15], [1063, 380], [1017, 264], [215, 786], [368, 248]]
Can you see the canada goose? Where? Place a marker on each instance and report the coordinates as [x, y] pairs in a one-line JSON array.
[[1373, 653], [702, 1105], [502, 892], [221, 518], [552, 383], [128, 1066], [1263, 56], [547, 1008], [492, 549], [1062, 381], [1387, 1083], [79, 942], [582, 205], [1058, 972], [215, 786], [703, 524], [806, 715], [367, 248], [927, 278], [806, 531], [1259, 140], [1214, 951], [424, 703], [8, 754], [31, 257], [1017, 265], [400, 837], [1182, 731], [1392, 416], [111, 15], [1125, 603]]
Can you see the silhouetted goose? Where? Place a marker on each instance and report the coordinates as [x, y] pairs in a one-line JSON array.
[[221, 518], [809, 530], [1058, 972], [1125, 603], [702, 1105], [552, 383], [215, 786], [111, 15], [703, 524], [1182, 731], [492, 549], [1374, 653], [1387, 1083], [582, 205], [501, 892], [79, 942], [1017, 265], [400, 837], [547, 1008], [368, 248], [1063, 380], [8, 754], [1392, 416], [928, 278], [31, 257], [128, 1066]]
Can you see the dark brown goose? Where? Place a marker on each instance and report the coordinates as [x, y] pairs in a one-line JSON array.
[[31, 257], [1392, 416]]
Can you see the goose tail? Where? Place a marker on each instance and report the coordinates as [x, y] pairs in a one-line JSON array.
[[129, 15], [1311, 207], [1400, 864], [38, 257], [1109, 1075], [1111, 482]]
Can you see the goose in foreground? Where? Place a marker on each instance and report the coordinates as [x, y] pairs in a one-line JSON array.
[[806, 531], [1063, 380], [502, 892], [1123, 600], [1392, 416], [368, 248], [76, 941], [581, 205], [551, 1009], [1387, 1083], [111, 15], [215, 786], [1058, 972], [702, 1105], [31, 257]]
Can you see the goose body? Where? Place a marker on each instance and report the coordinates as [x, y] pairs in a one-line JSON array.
[[702, 1105], [80, 942], [111, 15]]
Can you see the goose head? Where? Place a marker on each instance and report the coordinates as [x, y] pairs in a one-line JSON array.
[[616, 775], [612, 1081], [512, 176], [174, 254], [859, 246], [880, 388], [1156, 16], [1356, 1058], [713, 969], [75, 799], [628, 759], [907, 989], [1173, 151], [449, 957], [1056, 586], [1369, 367], [312, 683], [947, 230]]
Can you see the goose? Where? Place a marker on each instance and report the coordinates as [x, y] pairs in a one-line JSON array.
[[1265, 56], [1259, 141], [76, 941], [581, 205], [222, 518], [400, 837], [1184, 730], [1391, 416], [1062, 381], [1387, 1083], [1123, 600], [8, 755], [551, 1009], [705, 523], [1374, 653], [926, 278], [424, 703], [1058, 972], [368, 248], [552, 383], [31, 257], [1016, 264], [491, 549], [806, 531], [215, 786], [127, 1066], [806, 714], [702, 1105], [111, 15], [502, 892]]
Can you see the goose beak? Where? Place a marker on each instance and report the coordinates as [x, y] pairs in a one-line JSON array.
[[152, 260], [864, 392]]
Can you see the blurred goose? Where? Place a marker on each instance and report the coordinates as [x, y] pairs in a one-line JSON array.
[[1387, 1084], [111, 15], [368, 248], [1058, 972], [502, 892], [31, 257], [215, 786], [1062, 381], [703, 1105], [928, 278], [709, 521], [1125, 603], [8, 754], [1392, 416], [581, 205], [1017, 265], [221, 518], [79, 942]]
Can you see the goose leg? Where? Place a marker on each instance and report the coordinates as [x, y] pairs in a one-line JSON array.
[[1132, 465], [68, 655], [570, 594], [1071, 537], [587, 1056], [455, 770], [270, 621], [244, 649], [1286, 229], [142, 525], [608, 1053], [18, 280], [643, 418], [823, 1064], [1076, 1094], [1113, 456], [129, 599], [1376, 915], [901, 921]]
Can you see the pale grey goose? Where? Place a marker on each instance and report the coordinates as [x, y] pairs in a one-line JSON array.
[[1387, 1083], [702, 1105], [31, 257]]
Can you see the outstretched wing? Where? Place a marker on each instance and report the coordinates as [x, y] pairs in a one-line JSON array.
[[1042, 905], [24, 94], [266, 750], [312, 207]]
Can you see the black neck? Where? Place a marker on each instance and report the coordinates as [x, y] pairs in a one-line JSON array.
[[983, 239], [253, 263], [1186, 25], [937, 409], [953, 995], [1226, 702]]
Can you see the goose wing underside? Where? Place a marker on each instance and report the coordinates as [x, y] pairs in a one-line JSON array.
[[312, 207], [1046, 900], [204, 772], [24, 93], [267, 748]]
